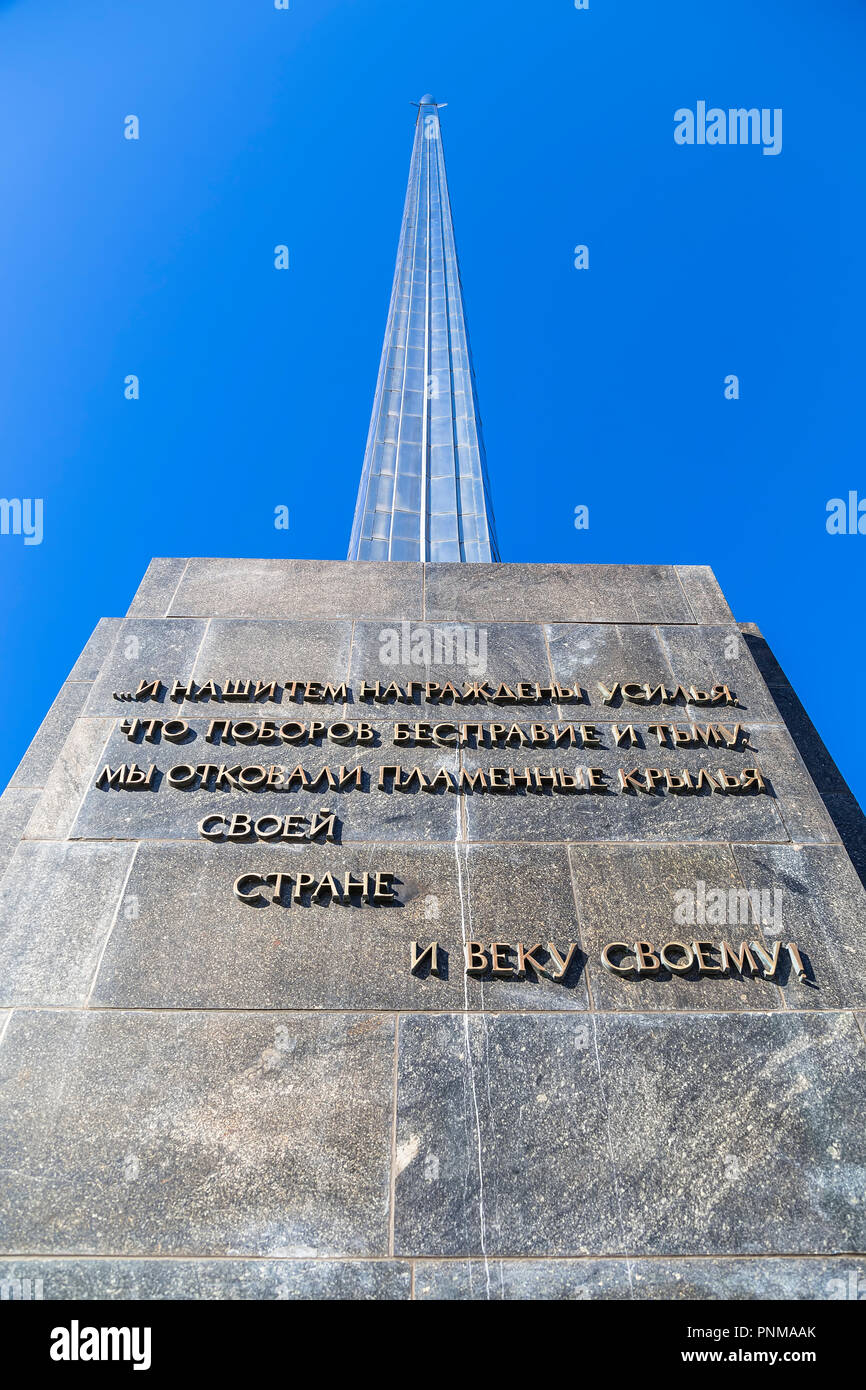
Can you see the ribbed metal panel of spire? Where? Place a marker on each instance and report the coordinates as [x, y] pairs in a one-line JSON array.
[[424, 491]]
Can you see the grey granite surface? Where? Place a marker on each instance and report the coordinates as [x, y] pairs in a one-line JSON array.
[[821, 907], [651, 893], [143, 650], [321, 955], [298, 589], [679, 1134], [157, 588], [16, 808], [57, 905], [72, 774], [479, 1280], [704, 596], [194, 1280], [209, 1098], [211, 1133], [563, 593], [816, 1280]]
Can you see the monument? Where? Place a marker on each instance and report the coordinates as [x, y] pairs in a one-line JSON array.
[[425, 926]]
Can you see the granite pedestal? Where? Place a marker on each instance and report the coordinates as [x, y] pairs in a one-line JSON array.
[[206, 1093]]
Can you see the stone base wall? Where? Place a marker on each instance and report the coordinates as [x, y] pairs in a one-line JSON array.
[[206, 1093]]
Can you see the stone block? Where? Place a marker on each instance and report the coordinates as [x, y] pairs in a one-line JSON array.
[[68, 780], [632, 893], [594, 654], [57, 904], [44, 750], [673, 1134], [704, 596], [663, 1279], [108, 1280], [703, 656], [196, 1134], [156, 590], [211, 950], [16, 808], [299, 589], [99, 645], [561, 593], [611, 814], [822, 909], [144, 649], [461, 653]]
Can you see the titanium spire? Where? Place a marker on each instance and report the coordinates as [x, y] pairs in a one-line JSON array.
[[424, 491]]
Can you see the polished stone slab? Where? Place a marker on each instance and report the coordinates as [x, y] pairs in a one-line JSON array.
[[226, 1280], [244, 649], [594, 654], [145, 649], [822, 767], [57, 905], [648, 893], [842, 806], [35, 767], [170, 812], [97, 648], [299, 589], [156, 590], [674, 1134], [68, 780], [44, 750], [764, 657], [589, 653], [462, 653], [803, 811], [191, 943], [199, 1134], [779, 1279], [497, 1280], [631, 815], [704, 656], [823, 911], [519, 892], [16, 808], [562, 593], [704, 595]]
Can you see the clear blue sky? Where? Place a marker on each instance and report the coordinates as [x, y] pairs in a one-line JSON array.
[[603, 387]]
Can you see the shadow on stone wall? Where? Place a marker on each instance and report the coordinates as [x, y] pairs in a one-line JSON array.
[[835, 793]]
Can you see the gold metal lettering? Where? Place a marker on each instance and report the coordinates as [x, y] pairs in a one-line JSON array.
[[608, 963], [706, 967], [476, 958], [419, 957], [677, 967], [562, 961]]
